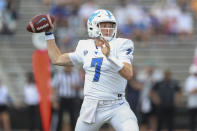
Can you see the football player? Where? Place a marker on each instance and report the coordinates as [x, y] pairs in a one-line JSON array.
[[107, 62]]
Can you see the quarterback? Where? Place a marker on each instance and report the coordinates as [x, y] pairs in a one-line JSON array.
[[107, 62]]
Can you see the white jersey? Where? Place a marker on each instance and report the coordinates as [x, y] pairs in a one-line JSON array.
[[191, 84], [3, 94], [102, 82]]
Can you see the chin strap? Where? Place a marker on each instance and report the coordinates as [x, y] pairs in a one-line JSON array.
[[108, 38]]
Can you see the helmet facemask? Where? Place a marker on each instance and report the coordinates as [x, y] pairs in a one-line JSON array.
[[107, 30]]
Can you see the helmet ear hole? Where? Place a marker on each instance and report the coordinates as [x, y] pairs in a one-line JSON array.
[[91, 28]]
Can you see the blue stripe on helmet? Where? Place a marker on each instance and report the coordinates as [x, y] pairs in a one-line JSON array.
[[93, 15], [109, 14]]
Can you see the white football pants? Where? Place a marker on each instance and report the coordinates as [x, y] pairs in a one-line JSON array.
[[118, 114]]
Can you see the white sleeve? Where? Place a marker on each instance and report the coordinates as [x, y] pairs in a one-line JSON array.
[[188, 85], [126, 52], [77, 56]]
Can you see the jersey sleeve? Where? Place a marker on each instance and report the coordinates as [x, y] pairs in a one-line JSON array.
[[126, 52], [77, 56]]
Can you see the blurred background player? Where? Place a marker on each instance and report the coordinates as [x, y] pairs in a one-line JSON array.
[[32, 101], [165, 94], [191, 90], [133, 90], [65, 84], [4, 112], [148, 77]]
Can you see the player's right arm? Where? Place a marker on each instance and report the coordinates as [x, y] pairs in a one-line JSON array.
[[67, 59], [57, 58], [124, 67]]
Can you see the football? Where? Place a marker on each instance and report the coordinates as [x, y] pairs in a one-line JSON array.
[[40, 23]]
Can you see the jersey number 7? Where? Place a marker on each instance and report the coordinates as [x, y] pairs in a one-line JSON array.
[[96, 62]]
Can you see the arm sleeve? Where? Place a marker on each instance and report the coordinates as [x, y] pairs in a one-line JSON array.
[[126, 52], [77, 56]]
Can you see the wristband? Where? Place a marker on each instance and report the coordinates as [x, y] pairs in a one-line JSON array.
[[48, 33], [118, 64], [49, 36]]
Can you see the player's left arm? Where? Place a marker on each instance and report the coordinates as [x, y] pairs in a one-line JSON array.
[[125, 57], [126, 71]]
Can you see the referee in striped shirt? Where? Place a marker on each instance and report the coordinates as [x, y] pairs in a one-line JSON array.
[[65, 85]]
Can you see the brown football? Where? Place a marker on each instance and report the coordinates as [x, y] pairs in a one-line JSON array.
[[40, 23]]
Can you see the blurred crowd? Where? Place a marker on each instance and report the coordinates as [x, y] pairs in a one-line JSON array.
[[137, 22], [8, 16], [140, 23]]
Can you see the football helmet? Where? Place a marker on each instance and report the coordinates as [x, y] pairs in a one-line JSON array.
[[94, 30]]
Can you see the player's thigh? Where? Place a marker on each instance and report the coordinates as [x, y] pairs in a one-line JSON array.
[[124, 119], [83, 126], [127, 125]]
